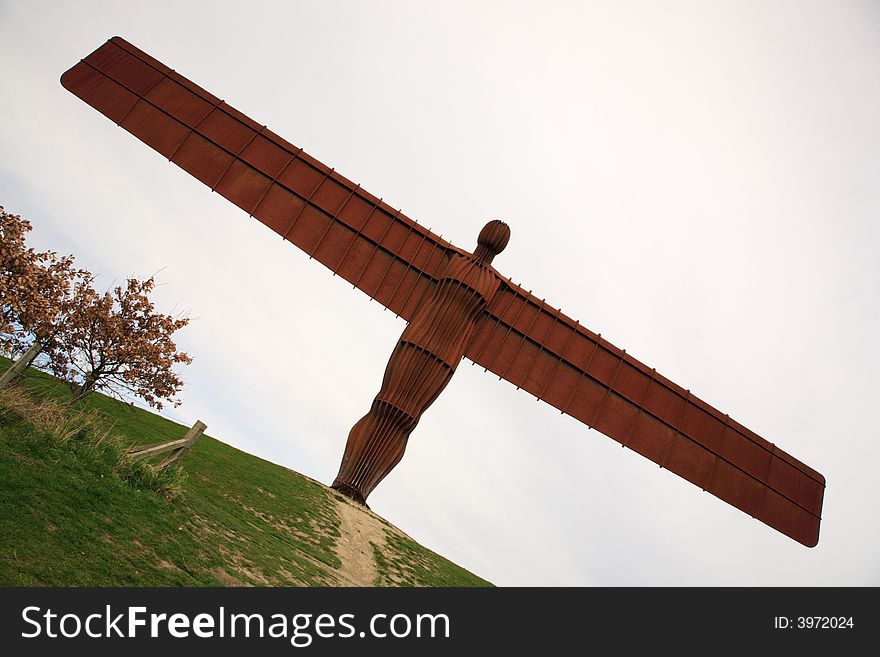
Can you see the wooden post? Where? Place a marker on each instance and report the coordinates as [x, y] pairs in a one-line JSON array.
[[178, 448], [20, 365], [190, 439]]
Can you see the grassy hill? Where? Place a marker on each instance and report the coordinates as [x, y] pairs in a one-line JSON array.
[[75, 511]]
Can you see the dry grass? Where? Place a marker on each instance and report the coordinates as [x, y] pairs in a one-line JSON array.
[[52, 417], [87, 429]]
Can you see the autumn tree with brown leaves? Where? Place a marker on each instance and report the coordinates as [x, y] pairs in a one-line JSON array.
[[118, 343], [115, 341], [35, 290]]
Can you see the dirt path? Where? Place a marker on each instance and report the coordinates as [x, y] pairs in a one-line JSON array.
[[357, 528]]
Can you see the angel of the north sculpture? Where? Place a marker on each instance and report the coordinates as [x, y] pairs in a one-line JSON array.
[[456, 303]]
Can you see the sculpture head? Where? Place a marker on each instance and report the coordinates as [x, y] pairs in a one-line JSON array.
[[491, 241]]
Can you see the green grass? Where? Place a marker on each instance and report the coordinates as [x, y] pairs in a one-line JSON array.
[[403, 562], [76, 512]]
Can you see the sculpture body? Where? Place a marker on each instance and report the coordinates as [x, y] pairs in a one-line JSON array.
[[421, 365]]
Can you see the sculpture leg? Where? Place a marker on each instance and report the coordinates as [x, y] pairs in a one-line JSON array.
[[375, 445], [413, 379]]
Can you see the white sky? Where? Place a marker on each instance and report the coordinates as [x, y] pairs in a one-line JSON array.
[[698, 181]]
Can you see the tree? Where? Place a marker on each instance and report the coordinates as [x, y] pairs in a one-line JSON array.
[[118, 343], [35, 288], [114, 341]]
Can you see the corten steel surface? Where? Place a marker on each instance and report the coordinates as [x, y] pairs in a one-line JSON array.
[[422, 363], [455, 303]]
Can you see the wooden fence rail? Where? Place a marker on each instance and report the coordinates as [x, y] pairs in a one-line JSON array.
[[177, 448]]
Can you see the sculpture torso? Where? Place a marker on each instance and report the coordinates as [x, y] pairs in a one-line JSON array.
[[434, 342], [443, 323]]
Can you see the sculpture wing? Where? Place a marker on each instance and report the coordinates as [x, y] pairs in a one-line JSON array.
[[376, 248], [540, 350]]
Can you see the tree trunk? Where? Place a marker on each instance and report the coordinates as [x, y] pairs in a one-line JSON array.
[[84, 389]]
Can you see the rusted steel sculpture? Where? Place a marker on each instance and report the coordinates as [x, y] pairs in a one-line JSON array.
[[456, 303], [422, 363]]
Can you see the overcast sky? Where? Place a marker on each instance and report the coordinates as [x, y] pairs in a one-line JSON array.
[[698, 181]]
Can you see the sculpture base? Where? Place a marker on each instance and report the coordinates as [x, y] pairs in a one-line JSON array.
[[351, 492]]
